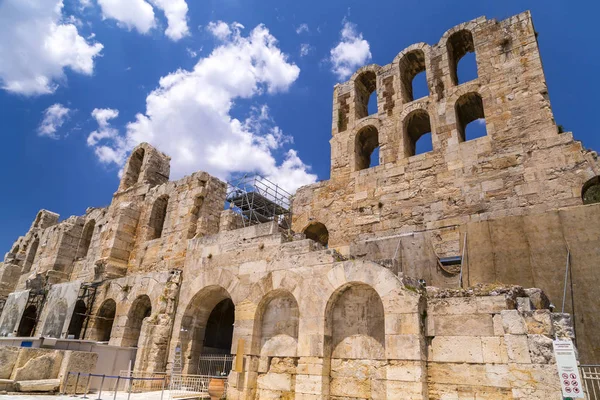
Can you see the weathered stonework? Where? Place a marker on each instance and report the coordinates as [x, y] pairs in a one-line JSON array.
[[357, 301]]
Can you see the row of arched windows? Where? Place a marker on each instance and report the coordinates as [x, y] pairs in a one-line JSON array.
[[470, 121], [413, 75]]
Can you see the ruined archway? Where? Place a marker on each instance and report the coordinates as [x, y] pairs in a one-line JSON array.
[[590, 193], [77, 320], [354, 340], [28, 322], [318, 232], [104, 321], [365, 145], [460, 44], [417, 125], [207, 326], [86, 239], [139, 311]]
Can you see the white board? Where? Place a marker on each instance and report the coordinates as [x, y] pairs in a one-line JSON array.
[[568, 372]]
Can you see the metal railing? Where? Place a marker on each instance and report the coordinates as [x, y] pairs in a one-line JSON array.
[[590, 374], [217, 365], [80, 383]]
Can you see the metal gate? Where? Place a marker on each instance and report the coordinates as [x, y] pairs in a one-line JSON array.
[[590, 374]]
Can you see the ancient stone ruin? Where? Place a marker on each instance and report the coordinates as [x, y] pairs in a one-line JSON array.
[[410, 279]]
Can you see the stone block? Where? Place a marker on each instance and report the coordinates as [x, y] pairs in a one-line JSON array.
[[541, 349], [538, 322], [406, 371], [40, 385], [517, 349], [494, 350], [456, 349], [404, 347], [312, 384], [275, 381], [462, 325], [513, 322], [8, 358]]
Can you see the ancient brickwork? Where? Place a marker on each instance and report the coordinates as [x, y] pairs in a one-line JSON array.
[[522, 166]]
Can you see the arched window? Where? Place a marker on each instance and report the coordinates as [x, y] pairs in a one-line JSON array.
[[459, 45], [158, 216], [28, 322], [139, 311], [366, 94], [30, 258], [317, 232], [590, 192], [77, 320], [470, 117], [38, 218], [417, 133], [86, 239], [366, 142], [134, 167], [104, 320], [413, 78]]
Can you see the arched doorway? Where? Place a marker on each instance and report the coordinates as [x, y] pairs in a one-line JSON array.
[[139, 311], [317, 232], [28, 321], [77, 320], [104, 321], [207, 328]]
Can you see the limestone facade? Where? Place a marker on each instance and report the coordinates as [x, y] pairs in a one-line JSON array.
[[355, 301]]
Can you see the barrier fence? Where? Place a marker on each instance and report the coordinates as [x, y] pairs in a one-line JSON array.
[[590, 374], [128, 383]]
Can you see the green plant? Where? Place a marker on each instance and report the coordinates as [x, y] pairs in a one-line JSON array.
[[561, 129]]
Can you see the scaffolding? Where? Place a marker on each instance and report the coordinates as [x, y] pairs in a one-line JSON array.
[[36, 298], [258, 200], [87, 294]]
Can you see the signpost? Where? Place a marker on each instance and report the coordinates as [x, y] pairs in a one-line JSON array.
[[568, 373]]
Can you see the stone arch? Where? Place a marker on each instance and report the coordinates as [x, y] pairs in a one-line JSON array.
[[410, 62], [77, 320], [458, 44], [276, 325], [103, 322], [140, 309], [354, 340], [366, 142], [318, 232], [28, 322], [365, 83], [55, 319], [414, 125], [206, 325], [590, 192], [158, 216], [86, 238], [195, 214], [468, 108], [132, 173]]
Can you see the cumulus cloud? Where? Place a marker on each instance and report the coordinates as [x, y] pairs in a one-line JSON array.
[[305, 48], [105, 130], [36, 45], [350, 53], [188, 115], [139, 15], [54, 117]]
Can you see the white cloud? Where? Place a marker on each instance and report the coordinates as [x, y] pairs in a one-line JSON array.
[[189, 115], [305, 48], [129, 14], [139, 14], [54, 117], [176, 13], [302, 28], [350, 53], [222, 30], [36, 45], [104, 131], [193, 53]]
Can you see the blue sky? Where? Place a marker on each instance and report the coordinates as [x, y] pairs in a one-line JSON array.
[[250, 78]]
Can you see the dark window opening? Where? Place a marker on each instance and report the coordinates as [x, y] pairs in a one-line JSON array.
[[28, 322], [219, 329], [460, 44], [470, 117], [77, 320], [367, 140], [134, 167], [158, 216], [317, 232], [417, 133], [365, 86], [29, 260], [104, 320], [413, 78], [86, 239], [590, 193]]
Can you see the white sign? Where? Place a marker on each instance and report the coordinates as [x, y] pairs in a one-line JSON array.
[[568, 373]]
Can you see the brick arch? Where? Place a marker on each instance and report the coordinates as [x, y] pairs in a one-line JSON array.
[[367, 68], [408, 139], [465, 26], [407, 64], [364, 83]]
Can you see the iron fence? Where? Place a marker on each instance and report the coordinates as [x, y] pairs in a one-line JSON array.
[[590, 374], [79, 382]]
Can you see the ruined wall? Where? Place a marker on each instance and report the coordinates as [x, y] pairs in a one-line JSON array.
[[522, 166]]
